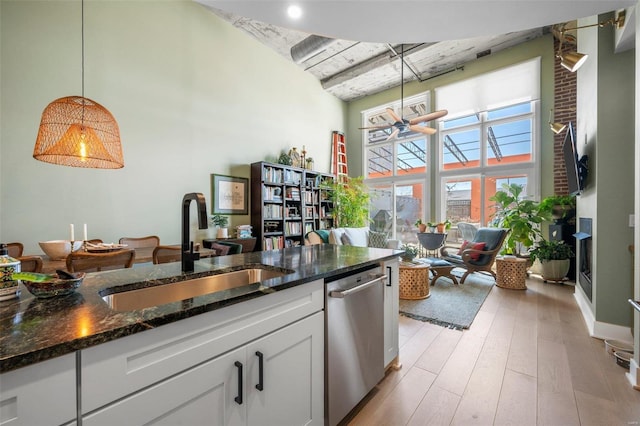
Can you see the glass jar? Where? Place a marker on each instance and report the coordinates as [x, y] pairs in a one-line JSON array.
[[8, 266]]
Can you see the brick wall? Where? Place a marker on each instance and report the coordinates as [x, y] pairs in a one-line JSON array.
[[564, 105]]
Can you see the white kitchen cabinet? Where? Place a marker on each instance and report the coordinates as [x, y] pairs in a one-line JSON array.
[[293, 375], [116, 369], [223, 391], [185, 372], [40, 394], [391, 312]]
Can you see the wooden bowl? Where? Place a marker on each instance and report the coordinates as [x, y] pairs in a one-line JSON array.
[[55, 287]]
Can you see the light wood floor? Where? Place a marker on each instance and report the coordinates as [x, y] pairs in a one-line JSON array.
[[526, 360]]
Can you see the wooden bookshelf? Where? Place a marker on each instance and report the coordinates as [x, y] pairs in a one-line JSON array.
[[287, 203]]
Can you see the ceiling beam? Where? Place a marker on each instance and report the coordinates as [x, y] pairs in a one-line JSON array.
[[371, 64]]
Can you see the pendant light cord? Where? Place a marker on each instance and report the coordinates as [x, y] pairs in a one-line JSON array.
[[82, 44], [82, 30], [402, 82]]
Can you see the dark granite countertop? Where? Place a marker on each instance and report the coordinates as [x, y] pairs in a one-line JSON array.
[[33, 330]]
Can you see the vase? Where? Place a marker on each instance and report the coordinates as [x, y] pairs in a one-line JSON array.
[[223, 233], [422, 227], [440, 228], [555, 270]]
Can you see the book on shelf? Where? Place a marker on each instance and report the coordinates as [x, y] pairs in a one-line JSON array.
[[273, 243], [293, 194], [271, 174]]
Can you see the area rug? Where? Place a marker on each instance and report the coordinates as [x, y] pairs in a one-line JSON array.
[[451, 306]]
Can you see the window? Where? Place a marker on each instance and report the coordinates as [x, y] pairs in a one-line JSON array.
[[489, 138], [396, 169]]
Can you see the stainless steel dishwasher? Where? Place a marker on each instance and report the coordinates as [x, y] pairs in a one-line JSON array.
[[354, 322]]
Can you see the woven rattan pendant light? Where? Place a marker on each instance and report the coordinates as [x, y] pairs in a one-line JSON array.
[[78, 132]]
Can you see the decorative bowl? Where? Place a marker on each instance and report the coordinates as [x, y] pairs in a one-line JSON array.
[[613, 346], [58, 249], [55, 287]]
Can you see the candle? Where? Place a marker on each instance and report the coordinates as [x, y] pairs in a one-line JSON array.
[[85, 232], [72, 236]]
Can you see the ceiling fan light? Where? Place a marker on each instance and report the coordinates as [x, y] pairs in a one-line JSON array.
[[572, 61], [557, 127]]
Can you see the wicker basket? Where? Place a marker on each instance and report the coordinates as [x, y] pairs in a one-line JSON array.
[[511, 273], [414, 282]]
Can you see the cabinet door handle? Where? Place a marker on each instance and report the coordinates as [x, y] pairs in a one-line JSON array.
[[389, 281], [238, 398], [260, 385]]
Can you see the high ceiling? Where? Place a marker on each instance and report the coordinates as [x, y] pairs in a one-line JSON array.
[[357, 60]]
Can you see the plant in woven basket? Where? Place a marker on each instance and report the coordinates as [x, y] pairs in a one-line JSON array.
[[520, 215]]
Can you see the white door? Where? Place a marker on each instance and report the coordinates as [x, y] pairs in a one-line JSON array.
[[292, 375]]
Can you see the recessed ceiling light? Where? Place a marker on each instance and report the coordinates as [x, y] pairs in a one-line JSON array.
[[294, 11]]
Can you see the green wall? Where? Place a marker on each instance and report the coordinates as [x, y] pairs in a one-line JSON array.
[[192, 96], [606, 132]]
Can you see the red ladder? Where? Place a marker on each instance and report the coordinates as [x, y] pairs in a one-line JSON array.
[[339, 156]]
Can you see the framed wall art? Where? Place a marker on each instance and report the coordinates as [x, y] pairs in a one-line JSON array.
[[230, 194]]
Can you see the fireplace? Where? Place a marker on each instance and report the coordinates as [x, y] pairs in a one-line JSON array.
[[585, 255]]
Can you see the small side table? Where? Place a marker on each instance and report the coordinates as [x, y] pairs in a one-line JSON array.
[[414, 281], [511, 273]]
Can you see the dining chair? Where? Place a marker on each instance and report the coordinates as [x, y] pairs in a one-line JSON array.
[[15, 249], [140, 242], [166, 254], [30, 263], [91, 262]]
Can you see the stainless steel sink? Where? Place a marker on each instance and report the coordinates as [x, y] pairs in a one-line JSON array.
[[174, 292]]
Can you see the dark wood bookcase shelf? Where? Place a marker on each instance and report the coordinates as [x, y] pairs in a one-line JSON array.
[[287, 203]]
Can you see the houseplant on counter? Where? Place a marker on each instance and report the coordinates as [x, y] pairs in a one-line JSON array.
[[221, 222], [554, 257], [520, 215]]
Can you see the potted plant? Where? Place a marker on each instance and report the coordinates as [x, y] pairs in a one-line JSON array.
[[520, 215], [443, 226], [422, 227], [221, 222], [561, 207], [554, 257], [410, 252], [350, 202]]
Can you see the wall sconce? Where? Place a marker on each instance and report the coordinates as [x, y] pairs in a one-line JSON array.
[[557, 127], [572, 61]]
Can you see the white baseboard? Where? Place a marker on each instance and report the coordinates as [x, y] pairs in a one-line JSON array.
[[597, 329], [634, 375]]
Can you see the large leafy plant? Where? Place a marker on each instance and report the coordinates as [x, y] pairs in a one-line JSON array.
[[350, 203], [551, 250], [519, 214]]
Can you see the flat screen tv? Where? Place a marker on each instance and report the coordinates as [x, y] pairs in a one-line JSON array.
[[576, 168]]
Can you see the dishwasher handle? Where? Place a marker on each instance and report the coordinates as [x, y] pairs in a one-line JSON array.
[[344, 293]]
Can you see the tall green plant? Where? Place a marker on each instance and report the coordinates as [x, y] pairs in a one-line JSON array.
[[350, 203], [520, 215]]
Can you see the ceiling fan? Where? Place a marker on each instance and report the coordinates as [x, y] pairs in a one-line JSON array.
[[401, 124]]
